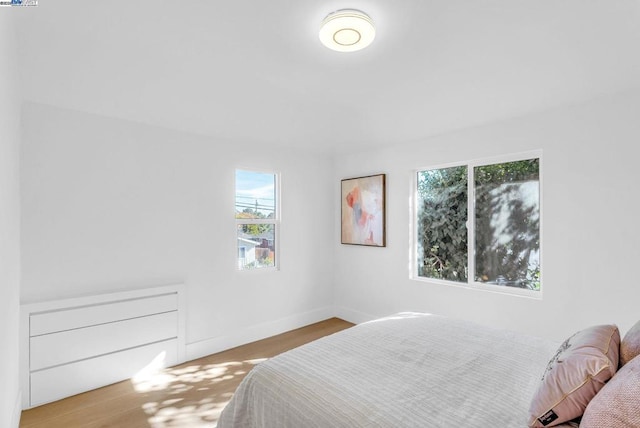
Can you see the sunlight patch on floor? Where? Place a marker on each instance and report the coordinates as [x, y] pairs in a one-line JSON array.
[[203, 384]]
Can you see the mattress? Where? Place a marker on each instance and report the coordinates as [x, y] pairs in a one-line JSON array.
[[407, 370]]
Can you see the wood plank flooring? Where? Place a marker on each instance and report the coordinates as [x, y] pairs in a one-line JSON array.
[[188, 395]]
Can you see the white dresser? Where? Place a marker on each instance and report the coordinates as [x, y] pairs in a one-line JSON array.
[[75, 345]]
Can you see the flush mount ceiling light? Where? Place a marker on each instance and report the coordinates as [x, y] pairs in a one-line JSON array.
[[347, 30]]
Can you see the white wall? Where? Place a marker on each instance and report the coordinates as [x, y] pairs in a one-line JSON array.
[[111, 205], [590, 223], [9, 223]]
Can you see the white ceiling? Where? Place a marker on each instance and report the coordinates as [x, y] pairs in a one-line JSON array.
[[243, 70]]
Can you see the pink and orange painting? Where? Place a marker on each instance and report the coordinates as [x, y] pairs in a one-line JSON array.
[[363, 211]]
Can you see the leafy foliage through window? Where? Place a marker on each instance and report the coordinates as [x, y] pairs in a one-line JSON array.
[[442, 218], [503, 201]]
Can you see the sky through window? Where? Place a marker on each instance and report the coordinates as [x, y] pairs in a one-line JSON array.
[[255, 191]]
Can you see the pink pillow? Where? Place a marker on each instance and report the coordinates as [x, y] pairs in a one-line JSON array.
[[616, 405], [630, 345], [578, 370]]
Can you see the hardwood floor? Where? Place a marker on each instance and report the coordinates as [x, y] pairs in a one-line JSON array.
[[189, 395]]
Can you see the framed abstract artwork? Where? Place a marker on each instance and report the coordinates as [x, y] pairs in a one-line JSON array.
[[363, 211]]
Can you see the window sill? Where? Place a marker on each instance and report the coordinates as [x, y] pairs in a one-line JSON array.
[[480, 286]]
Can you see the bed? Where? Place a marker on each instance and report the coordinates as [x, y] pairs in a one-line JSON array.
[[407, 370]]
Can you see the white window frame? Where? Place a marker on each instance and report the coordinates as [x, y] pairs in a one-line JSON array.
[[471, 242], [275, 221]]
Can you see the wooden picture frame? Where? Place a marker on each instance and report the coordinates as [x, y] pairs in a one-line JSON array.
[[363, 211]]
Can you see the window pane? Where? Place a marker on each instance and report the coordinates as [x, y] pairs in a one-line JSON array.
[[255, 195], [442, 217], [256, 246], [507, 224]]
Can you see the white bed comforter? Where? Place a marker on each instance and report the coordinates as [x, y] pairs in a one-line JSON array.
[[408, 370]]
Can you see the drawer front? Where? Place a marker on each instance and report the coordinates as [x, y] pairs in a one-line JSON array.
[[73, 345], [84, 316], [69, 379]]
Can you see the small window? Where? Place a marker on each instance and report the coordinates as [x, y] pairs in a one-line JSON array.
[[500, 246], [256, 219]]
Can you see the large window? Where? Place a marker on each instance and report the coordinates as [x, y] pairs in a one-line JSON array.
[[479, 224], [256, 219]]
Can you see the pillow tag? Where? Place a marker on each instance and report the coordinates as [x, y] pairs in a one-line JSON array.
[[548, 417]]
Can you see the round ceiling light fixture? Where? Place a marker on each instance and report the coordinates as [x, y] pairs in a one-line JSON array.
[[347, 30]]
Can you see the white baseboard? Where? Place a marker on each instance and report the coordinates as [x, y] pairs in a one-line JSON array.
[[353, 316], [257, 332], [17, 411]]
